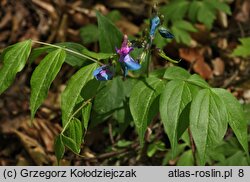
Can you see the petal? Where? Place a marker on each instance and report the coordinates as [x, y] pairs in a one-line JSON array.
[[130, 63], [121, 59], [125, 41], [154, 23], [165, 33], [100, 78], [97, 71], [103, 73]]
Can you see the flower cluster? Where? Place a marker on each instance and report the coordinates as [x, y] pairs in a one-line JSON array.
[[125, 60]]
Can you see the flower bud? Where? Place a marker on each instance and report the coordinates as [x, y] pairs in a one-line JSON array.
[[165, 33]]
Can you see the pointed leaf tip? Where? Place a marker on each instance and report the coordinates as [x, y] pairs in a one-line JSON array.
[[13, 62], [43, 77]]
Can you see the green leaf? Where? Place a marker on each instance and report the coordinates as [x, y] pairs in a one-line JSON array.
[[98, 56], [245, 41], [13, 62], [72, 92], [129, 84], [72, 136], [154, 147], [3, 52], [86, 115], [206, 15], [185, 136], [71, 59], [208, 121], [181, 35], [114, 15], [143, 103], [89, 34], [237, 120], [75, 132], [185, 25], [159, 41], [198, 81], [237, 159], [159, 73], [104, 101], [215, 155], [193, 10], [223, 6], [225, 150], [90, 89], [109, 36], [164, 56], [175, 10], [168, 156], [175, 97], [36, 52], [43, 76], [246, 108], [59, 147], [186, 159], [243, 49], [97, 118], [71, 144], [227, 147], [176, 72], [123, 117], [123, 143]]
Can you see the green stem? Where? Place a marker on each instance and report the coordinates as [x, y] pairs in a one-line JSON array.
[[148, 59], [68, 50], [71, 117], [148, 49]]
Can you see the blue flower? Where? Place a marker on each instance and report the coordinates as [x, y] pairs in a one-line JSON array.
[[128, 63], [165, 33], [103, 73], [154, 23]]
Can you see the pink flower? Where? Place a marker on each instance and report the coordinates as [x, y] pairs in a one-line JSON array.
[[127, 62]]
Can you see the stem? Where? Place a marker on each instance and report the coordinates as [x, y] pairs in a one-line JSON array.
[[148, 55], [132, 148], [82, 106], [69, 50], [111, 133], [148, 59], [192, 145]]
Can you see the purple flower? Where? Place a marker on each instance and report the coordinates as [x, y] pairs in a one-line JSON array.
[[103, 73], [125, 49], [127, 62]]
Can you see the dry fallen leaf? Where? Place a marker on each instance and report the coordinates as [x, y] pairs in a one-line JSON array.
[[246, 96], [243, 14], [196, 58], [222, 43], [37, 139], [222, 19], [127, 27], [218, 66], [34, 149]]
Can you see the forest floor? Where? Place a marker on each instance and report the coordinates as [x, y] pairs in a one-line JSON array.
[[54, 21]]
